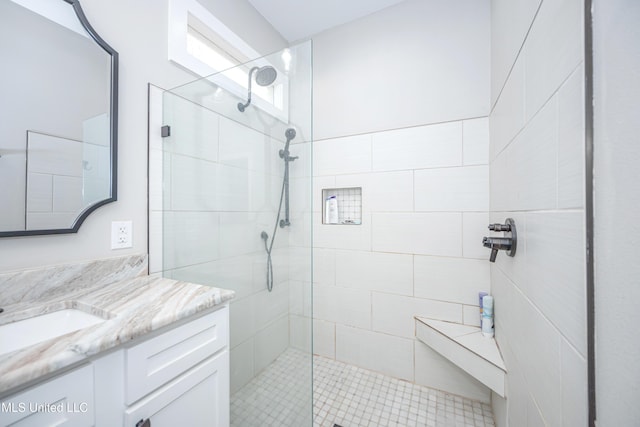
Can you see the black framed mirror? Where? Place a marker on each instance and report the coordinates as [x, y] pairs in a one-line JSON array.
[[58, 118]]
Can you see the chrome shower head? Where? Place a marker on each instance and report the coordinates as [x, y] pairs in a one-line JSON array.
[[264, 77]]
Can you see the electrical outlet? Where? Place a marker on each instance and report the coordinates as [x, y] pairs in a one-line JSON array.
[[121, 234]]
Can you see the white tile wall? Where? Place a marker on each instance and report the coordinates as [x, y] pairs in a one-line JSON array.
[[193, 183], [324, 338], [184, 238], [383, 191], [345, 306], [508, 117], [452, 189], [438, 372], [270, 342], [475, 141], [471, 315], [556, 272], [510, 22], [574, 387], [425, 195], [300, 334], [379, 352], [300, 298], [356, 237], [375, 271], [350, 154], [553, 49], [418, 233], [474, 228], [394, 314], [242, 369], [571, 141], [451, 279], [537, 178], [418, 147], [194, 130], [247, 149], [524, 176]]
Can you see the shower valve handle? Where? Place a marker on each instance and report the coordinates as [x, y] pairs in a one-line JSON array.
[[500, 227]]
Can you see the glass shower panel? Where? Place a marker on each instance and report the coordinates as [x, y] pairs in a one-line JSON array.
[[228, 178]]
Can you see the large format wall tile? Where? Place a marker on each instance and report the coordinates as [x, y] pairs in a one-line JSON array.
[[419, 147], [379, 352]]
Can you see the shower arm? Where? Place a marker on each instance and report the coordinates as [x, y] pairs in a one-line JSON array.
[[242, 106]]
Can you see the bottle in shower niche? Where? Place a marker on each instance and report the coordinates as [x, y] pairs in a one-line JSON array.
[[331, 210], [487, 316]]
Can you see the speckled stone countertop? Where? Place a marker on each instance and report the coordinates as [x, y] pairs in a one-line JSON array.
[[132, 307]]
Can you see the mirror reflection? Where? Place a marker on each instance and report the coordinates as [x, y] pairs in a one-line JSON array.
[[56, 118]]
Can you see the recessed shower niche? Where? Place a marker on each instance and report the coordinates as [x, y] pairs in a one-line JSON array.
[[342, 206]]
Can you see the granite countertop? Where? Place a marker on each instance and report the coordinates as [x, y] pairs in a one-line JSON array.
[[132, 308]]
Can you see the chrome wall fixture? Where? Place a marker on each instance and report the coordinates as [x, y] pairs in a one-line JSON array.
[[506, 243]]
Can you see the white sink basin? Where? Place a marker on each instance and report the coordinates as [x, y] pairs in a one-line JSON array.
[[23, 333]]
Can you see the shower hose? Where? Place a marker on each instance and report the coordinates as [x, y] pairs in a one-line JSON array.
[[265, 237]]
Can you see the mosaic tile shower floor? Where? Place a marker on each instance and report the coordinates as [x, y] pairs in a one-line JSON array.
[[347, 396]]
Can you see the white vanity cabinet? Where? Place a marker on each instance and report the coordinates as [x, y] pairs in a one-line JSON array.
[[177, 378], [66, 400], [180, 378]]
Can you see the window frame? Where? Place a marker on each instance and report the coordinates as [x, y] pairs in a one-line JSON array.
[[179, 12]]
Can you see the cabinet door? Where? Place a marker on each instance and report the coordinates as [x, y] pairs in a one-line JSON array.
[[200, 397], [66, 400], [158, 360]]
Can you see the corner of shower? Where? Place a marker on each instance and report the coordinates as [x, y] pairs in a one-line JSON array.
[[236, 212]]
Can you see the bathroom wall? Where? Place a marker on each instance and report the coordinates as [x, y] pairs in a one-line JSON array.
[[617, 203], [536, 160], [418, 62], [137, 30], [400, 102]]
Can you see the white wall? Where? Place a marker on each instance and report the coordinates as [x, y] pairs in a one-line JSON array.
[[421, 61], [137, 30], [617, 203], [537, 178], [399, 100]]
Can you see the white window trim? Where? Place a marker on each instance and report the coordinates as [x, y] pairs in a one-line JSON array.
[[178, 14]]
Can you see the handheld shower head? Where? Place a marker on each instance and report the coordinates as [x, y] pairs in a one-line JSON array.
[[290, 134], [264, 77]]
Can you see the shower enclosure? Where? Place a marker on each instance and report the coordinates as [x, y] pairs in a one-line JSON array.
[[236, 214]]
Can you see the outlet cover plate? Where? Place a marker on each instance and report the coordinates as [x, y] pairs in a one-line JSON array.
[[121, 234]]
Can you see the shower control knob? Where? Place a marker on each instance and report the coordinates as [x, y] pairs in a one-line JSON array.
[[500, 227]]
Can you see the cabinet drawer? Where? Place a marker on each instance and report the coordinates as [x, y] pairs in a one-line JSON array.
[[66, 400], [200, 397], [155, 362]]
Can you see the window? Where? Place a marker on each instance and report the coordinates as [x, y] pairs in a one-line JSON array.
[[201, 43]]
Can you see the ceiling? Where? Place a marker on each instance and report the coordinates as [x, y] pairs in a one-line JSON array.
[[299, 19]]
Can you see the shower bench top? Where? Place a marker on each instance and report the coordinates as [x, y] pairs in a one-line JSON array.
[[466, 347]]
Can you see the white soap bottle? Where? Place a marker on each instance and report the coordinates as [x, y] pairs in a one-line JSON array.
[[332, 210], [487, 316]]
